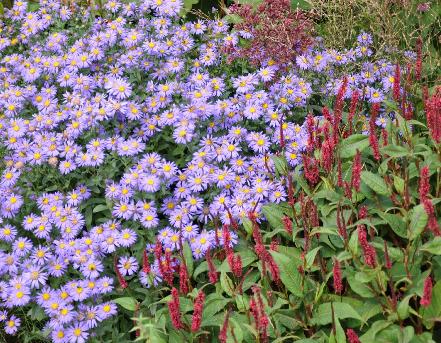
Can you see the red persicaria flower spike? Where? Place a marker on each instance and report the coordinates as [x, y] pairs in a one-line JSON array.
[[433, 223], [145, 262], [426, 300], [348, 189], [311, 127], [372, 135], [174, 309], [339, 174], [213, 275], [282, 136], [260, 317], [356, 171], [362, 212], [158, 250], [419, 59], [387, 262], [370, 255], [224, 330], [254, 311], [274, 246], [122, 282], [197, 312], [341, 223], [326, 114], [183, 278], [338, 107], [311, 169], [273, 267], [433, 115], [424, 184], [352, 336], [287, 224], [336, 272], [226, 237], [236, 266], [397, 81], [374, 111], [384, 134], [327, 153]]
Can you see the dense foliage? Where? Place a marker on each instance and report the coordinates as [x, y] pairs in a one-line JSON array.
[[159, 185]]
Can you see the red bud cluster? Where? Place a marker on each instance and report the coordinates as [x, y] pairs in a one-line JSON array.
[[278, 32], [175, 312], [197, 312]]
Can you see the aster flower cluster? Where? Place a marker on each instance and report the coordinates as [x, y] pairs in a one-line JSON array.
[[75, 101], [28, 267]]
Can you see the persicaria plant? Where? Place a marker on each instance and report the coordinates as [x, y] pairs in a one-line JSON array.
[[155, 188]]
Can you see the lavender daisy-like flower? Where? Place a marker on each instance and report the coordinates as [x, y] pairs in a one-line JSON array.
[[77, 333], [12, 325], [119, 88], [128, 265]]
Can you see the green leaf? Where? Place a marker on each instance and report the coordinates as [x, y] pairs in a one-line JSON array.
[[214, 306], [100, 208], [353, 143], [202, 267], [36, 313], [280, 164], [274, 214], [418, 222], [396, 223], [289, 274], [375, 328], [403, 307], [227, 284], [127, 302], [323, 315], [339, 335], [375, 182], [394, 151], [310, 256], [248, 226], [399, 184], [188, 257], [359, 287], [324, 231], [188, 4], [301, 4], [433, 247]]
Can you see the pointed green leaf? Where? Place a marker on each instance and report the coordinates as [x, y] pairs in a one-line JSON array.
[[289, 274], [375, 182], [418, 222]]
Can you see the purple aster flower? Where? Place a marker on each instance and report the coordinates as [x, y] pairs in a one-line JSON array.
[[12, 325], [77, 333], [128, 265]]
